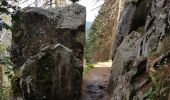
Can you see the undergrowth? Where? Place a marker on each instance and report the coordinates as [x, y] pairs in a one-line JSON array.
[[3, 96], [151, 94], [87, 68], [6, 73]]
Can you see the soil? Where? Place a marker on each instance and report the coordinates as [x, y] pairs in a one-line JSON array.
[[96, 81]]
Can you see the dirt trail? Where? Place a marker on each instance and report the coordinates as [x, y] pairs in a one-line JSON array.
[[96, 81]]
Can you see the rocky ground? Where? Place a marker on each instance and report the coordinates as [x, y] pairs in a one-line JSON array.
[[96, 81]]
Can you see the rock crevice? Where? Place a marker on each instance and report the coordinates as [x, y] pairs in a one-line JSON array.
[[140, 68]]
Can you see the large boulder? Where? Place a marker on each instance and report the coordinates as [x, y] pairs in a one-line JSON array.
[[51, 74], [45, 69], [141, 54]]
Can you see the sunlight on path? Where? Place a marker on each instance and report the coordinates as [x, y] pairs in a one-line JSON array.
[[96, 81]]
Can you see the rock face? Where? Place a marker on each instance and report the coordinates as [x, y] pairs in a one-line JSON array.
[[141, 53], [47, 52]]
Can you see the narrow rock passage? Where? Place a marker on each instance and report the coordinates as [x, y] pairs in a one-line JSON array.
[[96, 81]]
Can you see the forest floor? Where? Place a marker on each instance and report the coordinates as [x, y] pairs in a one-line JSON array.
[[95, 82]]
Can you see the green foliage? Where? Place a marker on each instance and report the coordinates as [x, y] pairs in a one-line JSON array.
[[4, 58], [3, 96], [4, 25], [2, 48], [90, 47], [6, 64], [87, 68], [7, 9], [151, 94]]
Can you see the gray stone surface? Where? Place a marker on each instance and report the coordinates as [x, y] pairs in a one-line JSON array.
[[36, 28], [141, 56], [47, 52], [51, 74]]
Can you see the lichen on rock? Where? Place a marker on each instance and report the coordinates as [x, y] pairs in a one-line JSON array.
[[47, 52], [141, 52]]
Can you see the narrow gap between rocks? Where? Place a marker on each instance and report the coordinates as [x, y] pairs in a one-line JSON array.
[[95, 82]]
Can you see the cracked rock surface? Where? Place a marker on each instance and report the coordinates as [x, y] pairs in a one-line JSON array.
[[47, 52], [141, 60]]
